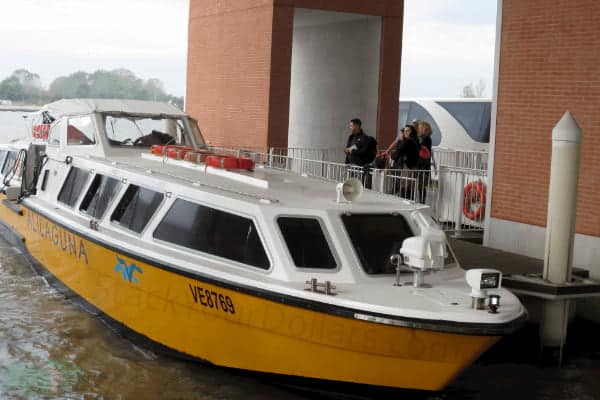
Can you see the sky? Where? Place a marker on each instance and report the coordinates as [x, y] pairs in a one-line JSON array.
[[447, 43]]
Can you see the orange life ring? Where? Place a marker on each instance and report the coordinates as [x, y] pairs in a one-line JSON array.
[[227, 162], [474, 192]]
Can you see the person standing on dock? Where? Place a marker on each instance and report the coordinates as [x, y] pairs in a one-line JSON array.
[[425, 154], [360, 147], [361, 150]]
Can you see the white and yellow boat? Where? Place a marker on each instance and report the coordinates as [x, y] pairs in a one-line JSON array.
[[261, 270]]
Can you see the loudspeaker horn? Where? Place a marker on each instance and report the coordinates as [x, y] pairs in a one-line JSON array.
[[351, 190]]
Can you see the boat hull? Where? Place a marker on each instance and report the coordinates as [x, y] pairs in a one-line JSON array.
[[231, 327]]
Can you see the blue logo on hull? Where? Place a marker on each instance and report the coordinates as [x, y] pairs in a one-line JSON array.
[[127, 270]]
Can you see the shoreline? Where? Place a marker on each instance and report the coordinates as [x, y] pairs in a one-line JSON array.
[[23, 108]]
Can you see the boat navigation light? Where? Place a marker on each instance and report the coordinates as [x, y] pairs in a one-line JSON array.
[[494, 303], [480, 280], [351, 190]]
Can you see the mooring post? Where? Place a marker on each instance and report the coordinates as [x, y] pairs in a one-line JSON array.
[[560, 227], [562, 200]]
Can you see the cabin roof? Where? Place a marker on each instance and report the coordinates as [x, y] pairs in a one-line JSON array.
[[285, 188], [88, 106]]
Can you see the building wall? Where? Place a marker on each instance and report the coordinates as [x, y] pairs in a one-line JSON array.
[[239, 66], [549, 63], [335, 77], [229, 70]]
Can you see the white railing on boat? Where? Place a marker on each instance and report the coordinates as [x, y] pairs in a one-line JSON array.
[[455, 188]]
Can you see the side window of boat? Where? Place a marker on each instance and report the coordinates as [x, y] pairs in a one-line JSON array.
[[2, 159], [81, 131], [214, 232], [9, 160], [136, 208], [71, 189], [101, 193], [306, 242], [54, 137], [375, 238]]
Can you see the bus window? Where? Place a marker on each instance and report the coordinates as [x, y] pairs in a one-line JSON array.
[[475, 117]]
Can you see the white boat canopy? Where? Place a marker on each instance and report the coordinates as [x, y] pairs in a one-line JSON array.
[[87, 106]]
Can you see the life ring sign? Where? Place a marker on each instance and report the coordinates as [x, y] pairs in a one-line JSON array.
[[40, 131], [474, 200]]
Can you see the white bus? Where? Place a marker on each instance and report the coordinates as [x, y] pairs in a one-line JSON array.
[[457, 124]]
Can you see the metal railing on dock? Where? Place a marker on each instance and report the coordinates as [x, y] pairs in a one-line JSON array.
[[477, 160]]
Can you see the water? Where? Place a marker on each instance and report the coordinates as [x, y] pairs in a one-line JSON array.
[[52, 349], [13, 126]]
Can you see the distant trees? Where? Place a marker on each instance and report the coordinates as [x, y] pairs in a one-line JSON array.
[[474, 90], [11, 89], [73, 86], [21, 86], [24, 86]]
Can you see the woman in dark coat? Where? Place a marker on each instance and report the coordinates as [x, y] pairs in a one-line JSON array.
[[406, 154], [424, 162]]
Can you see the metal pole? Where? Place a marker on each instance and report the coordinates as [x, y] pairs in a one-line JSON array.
[[460, 201]]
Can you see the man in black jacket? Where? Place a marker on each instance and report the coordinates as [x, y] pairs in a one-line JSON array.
[[360, 148]]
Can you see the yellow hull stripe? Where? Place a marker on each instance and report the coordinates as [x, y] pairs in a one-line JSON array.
[[239, 330]]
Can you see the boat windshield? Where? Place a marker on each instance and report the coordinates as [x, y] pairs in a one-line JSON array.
[[144, 131], [376, 237]]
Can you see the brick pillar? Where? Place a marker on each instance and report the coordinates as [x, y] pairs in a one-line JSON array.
[[229, 70], [281, 71], [389, 80]]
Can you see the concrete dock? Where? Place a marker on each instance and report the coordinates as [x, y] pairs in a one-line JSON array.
[[471, 255], [522, 274]]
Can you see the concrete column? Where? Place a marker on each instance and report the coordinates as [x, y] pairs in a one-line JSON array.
[[553, 327], [562, 200], [335, 73]]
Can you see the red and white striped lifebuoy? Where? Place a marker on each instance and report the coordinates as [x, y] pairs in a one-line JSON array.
[[474, 193]]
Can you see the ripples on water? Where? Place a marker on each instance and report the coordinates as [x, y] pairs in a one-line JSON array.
[[50, 348]]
